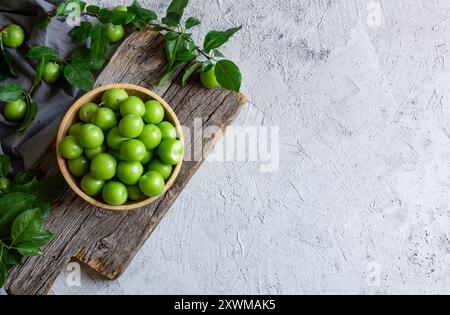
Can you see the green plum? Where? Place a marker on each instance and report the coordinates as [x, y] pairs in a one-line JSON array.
[[5, 183], [168, 130], [122, 8], [129, 172], [113, 97], [134, 193], [133, 150], [171, 151], [116, 154], [79, 166], [91, 186], [114, 33], [209, 79], [115, 193], [104, 118], [150, 136], [90, 136], [74, 130], [132, 105], [154, 112], [52, 72], [162, 168], [152, 184], [91, 153], [131, 126], [15, 110], [114, 138], [103, 166], [69, 148], [147, 157], [86, 112], [13, 36]]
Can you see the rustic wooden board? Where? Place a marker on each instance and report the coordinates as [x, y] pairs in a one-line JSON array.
[[105, 240]]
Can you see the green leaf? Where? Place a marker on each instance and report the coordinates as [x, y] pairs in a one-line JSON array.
[[11, 205], [67, 7], [28, 234], [33, 248], [47, 189], [82, 32], [42, 52], [23, 178], [99, 44], [182, 49], [51, 188], [29, 186], [191, 22], [10, 92], [60, 9], [217, 53], [40, 69], [92, 9], [29, 249], [3, 273], [142, 16], [41, 238], [168, 74], [5, 165], [43, 23], [6, 68], [184, 54], [115, 17], [83, 55], [79, 75], [11, 257], [80, 55], [215, 39], [32, 110], [175, 12], [189, 72], [27, 231], [171, 36], [25, 226], [228, 75], [122, 18], [171, 49]]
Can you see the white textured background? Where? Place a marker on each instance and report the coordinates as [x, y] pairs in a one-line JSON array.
[[364, 176]]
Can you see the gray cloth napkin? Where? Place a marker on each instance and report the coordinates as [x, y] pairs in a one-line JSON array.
[[53, 100]]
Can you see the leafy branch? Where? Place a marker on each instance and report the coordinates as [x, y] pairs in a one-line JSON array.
[[79, 68], [180, 47], [24, 203]]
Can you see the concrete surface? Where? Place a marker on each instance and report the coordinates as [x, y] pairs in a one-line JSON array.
[[360, 203]]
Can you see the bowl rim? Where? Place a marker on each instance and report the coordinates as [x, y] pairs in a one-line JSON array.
[[63, 129]]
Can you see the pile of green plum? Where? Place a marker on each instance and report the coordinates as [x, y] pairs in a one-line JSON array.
[[122, 148]]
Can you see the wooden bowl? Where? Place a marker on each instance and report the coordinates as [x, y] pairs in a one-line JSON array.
[[71, 117]]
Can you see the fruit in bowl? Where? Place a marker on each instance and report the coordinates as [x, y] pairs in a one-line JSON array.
[[120, 146]]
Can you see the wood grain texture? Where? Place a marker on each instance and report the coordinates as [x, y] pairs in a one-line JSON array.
[[107, 240]]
